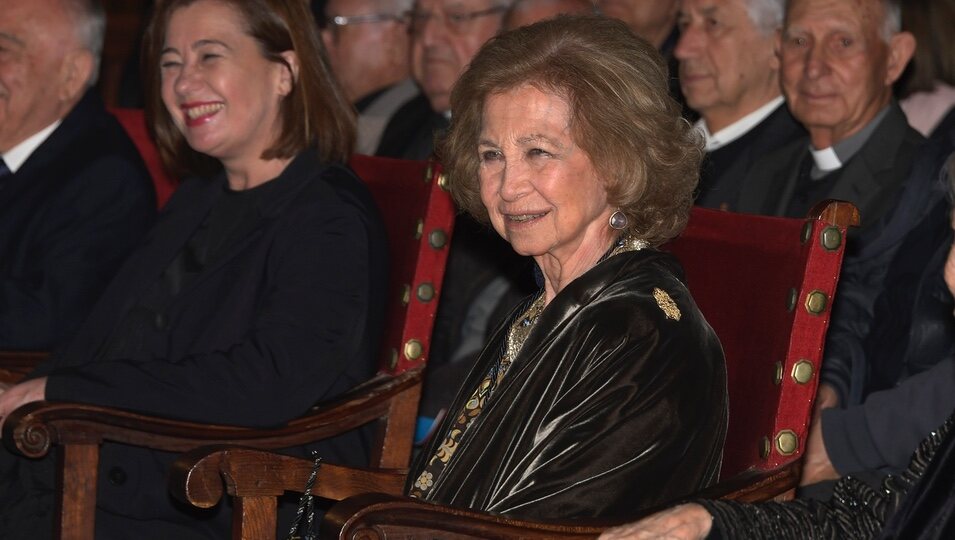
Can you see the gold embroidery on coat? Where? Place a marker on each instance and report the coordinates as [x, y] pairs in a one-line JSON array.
[[666, 304]]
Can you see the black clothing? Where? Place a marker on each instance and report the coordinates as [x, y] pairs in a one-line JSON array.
[[69, 217], [288, 314], [616, 401], [922, 498], [724, 169]]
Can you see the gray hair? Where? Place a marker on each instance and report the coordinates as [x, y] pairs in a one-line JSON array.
[[891, 18], [767, 15], [89, 22]]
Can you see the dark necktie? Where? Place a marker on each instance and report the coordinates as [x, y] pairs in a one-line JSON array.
[[5, 172]]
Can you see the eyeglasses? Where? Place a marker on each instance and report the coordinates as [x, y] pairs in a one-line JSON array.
[[455, 21], [342, 20]]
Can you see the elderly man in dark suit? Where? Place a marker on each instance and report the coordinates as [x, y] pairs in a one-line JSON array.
[[729, 75], [74, 193], [839, 60]]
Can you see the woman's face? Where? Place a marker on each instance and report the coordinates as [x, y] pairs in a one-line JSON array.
[[221, 92], [540, 189]]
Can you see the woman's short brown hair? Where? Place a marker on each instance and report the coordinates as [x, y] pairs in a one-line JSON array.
[[315, 113], [622, 115]]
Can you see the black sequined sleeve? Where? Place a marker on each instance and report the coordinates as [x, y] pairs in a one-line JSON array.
[[855, 510]]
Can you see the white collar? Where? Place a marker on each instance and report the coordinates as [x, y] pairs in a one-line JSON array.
[[738, 128], [826, 159], [21, 152]]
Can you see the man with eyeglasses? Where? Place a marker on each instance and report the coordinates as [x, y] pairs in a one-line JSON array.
[[481, 282], [368, 45]]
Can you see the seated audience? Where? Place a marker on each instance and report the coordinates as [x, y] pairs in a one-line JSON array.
[[927, 89], [729, 75], [230, 312], [917, 503], [605, 390], [368, 47], [75, 196], [525, 12]]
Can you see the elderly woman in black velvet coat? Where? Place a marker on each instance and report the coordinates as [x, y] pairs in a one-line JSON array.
[[606, 390]]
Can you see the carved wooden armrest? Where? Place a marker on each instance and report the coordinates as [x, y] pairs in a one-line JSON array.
[[34, 427], [14, 365], [197, 477], [255, 479], [755, 486], [381, 516]]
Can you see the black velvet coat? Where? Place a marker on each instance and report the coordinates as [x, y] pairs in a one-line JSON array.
[[610, 406]]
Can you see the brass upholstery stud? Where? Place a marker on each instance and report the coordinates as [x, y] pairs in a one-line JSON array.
[[405, 295], [787, 442], [802, 371], [764, 447], [443, 181], [806, 232], [438, 238], [830, 238], [425, 292], [413, 349], [418, 229], [778, 375], [816, 302], [791, 301], [429, 172]]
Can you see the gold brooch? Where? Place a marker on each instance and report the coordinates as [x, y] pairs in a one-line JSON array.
[[666, 304]]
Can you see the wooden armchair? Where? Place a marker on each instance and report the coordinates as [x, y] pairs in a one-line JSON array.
[[765, 284], [418, 215]]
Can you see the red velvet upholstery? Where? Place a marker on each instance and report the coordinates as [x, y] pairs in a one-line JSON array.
[[742, 270], [413, 206], [135, 124]]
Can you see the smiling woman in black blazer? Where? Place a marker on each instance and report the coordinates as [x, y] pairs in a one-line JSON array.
[[260, 288]]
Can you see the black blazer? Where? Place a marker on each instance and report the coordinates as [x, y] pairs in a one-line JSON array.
[[725, 169], [870, 179], [288, 315], [68, 218]]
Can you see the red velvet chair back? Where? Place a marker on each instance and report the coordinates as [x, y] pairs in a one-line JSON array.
[[419, 218], [765, 285], [135, 124]]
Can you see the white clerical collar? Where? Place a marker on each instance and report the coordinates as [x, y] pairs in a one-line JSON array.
[[738, 128], [21, 152], [826, 159]]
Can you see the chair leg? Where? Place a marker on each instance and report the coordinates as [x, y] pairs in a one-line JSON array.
[[254, 518], [76, 471]]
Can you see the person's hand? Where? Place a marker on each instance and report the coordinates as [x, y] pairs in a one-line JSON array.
[[826, 397], [684, 522], [25, 392], [816, 465]]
